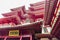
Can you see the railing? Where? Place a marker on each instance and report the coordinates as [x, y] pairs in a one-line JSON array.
[[22, 37]]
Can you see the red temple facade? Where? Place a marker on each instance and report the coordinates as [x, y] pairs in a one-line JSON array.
[[29, 24]]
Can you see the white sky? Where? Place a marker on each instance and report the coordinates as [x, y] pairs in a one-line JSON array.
[[6, 5]]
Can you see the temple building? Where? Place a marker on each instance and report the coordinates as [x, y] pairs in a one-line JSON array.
[[40, 22]]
